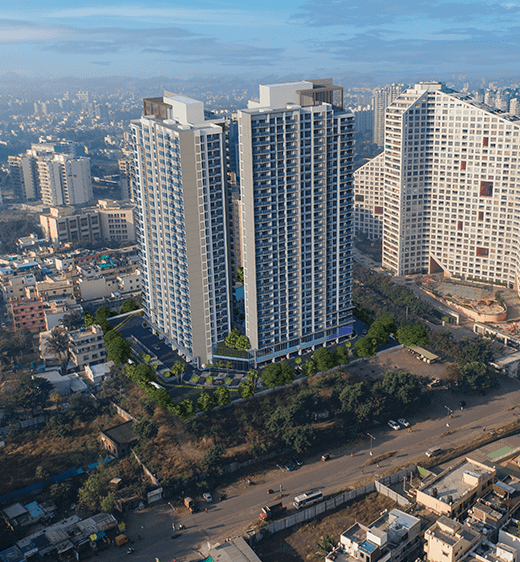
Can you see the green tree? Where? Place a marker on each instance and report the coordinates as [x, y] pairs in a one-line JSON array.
[[185, 409], [323, 359], [340, 356], [58, 345], [236, 340], [129, 305], [222, 396], [325, 545], [309, 368], [118, 349], [403, 387], [73, 321], [33, 394], [246, 389], [145, 429], [365, 347], [477, 376], [412, 335], [240, 274], [41, 473], [89, 319], [301, 438], [213, 457], [205, 402], [277, 374]]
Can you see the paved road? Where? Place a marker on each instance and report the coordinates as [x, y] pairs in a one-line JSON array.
[[232, 516]]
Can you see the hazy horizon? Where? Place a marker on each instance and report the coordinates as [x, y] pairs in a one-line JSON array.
[[377, 41]]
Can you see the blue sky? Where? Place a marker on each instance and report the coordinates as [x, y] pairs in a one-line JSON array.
[[388, 40]]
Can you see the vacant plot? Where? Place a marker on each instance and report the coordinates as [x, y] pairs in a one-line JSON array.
[[396, 360], [300, 543]]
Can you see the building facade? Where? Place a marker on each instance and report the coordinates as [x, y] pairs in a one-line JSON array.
[[368, 198], [64, 224], [117, 220], [87, 346], [180, 189], [449, 187], [381, 99], [296, 149], [28, 313]]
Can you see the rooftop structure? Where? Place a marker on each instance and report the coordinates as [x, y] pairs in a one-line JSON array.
[[448, 540], [454, 490]]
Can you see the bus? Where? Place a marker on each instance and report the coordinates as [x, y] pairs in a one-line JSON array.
[[307, 498]]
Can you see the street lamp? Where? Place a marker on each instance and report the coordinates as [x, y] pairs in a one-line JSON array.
[[173, 522], [371, 439]]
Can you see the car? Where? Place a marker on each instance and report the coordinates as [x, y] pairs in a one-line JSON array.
[[207, 497], [325, 457], [433, 452], [288, 466], [462, 404], [156, 346], [297, 461], [394, 425], [403, 422]]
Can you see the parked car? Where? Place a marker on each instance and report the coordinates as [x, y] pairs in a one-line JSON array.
[[288, 466], [394, 425], [325, 457], [297, 461], [207, 497], [433, 451], [403, 422], [462, 404], [156, 346]]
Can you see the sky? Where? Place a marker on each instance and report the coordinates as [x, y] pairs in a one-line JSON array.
[[386, 40]]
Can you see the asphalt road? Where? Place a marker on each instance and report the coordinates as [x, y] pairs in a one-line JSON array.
[[234, 515]]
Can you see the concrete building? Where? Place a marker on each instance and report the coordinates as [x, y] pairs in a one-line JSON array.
[[180, 189], [28, 313], [508, 535], [448, 540], [369, 198], [381, 98], [117, 220], [125, 178], [130, 282], [486, 551], [87, 346], [64, 180], [96, 374], [65, 224], [394, 537], [296, 149], [15, 286], [456, 489], [444, 150], [119, 439], [364, 119]]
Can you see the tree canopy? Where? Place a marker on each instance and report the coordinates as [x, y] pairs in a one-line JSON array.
[[277, 374], [236, 340], [412, 335]]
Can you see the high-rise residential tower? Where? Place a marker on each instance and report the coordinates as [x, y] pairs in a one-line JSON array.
[[449, 187], [296, 150], [381, 99], [180, 189]]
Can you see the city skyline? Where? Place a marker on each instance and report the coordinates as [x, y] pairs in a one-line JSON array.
[[405, 41]]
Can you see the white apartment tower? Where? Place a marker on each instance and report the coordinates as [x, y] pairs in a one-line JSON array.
[[64, 180], [296, 149], [180, 189], [382, 97], [450, 187]]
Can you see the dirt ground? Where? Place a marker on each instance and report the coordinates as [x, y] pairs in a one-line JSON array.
[[399, 360], [299, 544]]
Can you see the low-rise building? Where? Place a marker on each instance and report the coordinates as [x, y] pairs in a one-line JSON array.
[[28, 313], [119, 439], [14, 286], [129, 282], [509, 535], [488, 552], [392, 538], [117, 220], [87, 346], [455, 489], [98, 373], [65, 385], [448, 540], [66, 224]]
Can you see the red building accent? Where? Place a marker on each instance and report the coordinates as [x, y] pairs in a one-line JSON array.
[[28, 313]]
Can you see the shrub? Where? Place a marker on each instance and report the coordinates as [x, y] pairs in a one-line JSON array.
[[194, 378], [298, 360], [227, 381], [167, 375], [209, 379]]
